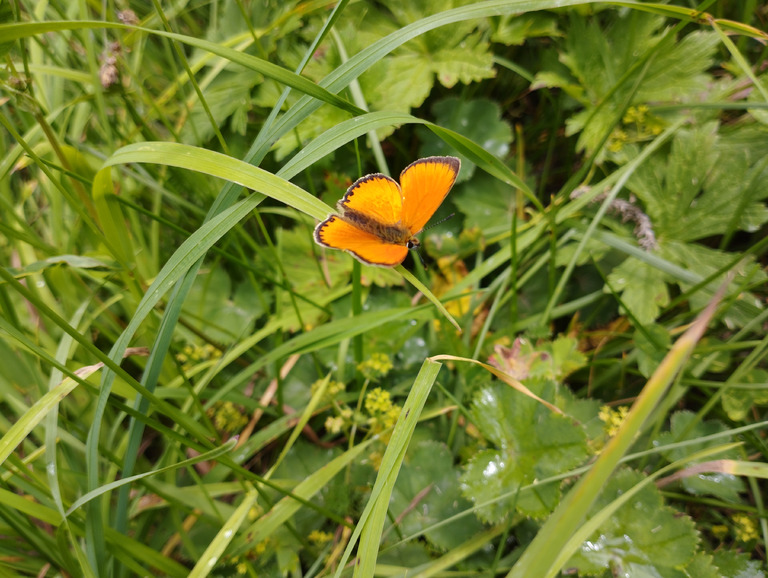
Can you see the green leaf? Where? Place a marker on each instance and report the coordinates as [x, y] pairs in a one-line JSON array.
[[76, 261], [707, 261], [702, 187], [427, 492], [225, 97], [702, 566], [515, 29], [643, 537], [737, 403], [219, 312], [469, 61], [643, 289], [486, 203], [737, 564], [540, 361], [685, 426], [479, 120], [532, 443], [653, 343], [566, 356], [607, 65]]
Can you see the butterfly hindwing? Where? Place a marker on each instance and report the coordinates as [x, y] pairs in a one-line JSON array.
[[425, 183], [367, 247]]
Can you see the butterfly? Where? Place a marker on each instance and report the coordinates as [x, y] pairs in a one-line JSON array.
[[378, 219]]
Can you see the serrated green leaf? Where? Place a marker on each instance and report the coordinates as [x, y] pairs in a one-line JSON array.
[[702, 566], [708, 261], [470, 61], [643, 537], [684, 426], [737, 564], [542, 360], [643, 289], [533, 443], [566, 357], [702, 187], [427, 492], [605, 63]]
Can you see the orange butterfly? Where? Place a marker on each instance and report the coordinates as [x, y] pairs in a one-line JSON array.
[[378, 219]]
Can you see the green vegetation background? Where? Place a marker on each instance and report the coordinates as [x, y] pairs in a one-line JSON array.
[[575, 384]]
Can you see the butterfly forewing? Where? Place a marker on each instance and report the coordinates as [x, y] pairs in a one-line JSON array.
[[375, 197], [425, 183]]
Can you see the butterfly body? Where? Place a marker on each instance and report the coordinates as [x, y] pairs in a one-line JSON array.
[[379, 218]]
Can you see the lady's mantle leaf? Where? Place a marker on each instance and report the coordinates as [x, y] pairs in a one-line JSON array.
[[479, 120], [642, 538], [643, 289], [427, 492], [737, 565], [532, 443]]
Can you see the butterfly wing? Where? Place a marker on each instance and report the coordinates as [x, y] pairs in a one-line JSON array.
[[366, 247], [425, 183], [374, 197]]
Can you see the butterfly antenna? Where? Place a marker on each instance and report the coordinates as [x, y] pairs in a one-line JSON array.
[[443, 220]]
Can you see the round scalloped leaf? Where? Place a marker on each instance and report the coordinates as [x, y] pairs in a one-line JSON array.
[[642, 538]]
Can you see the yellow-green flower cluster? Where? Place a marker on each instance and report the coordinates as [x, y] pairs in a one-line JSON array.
[[744, 527], [617, 141], [336, 424], [333, 389], [384, 414], [193, 354], [612, 418], [227, 417], [644, 125], [375, 367], [320, 538]]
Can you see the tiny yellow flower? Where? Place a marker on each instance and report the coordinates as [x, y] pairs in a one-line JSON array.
[[227, 417], [261, 547], [242, 568], [612, 418], [378, 401], [192, 354], [376, 366], [719, 531], [332, 390], [744, 528], [334, 425], [618, 139], [319, 538]]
